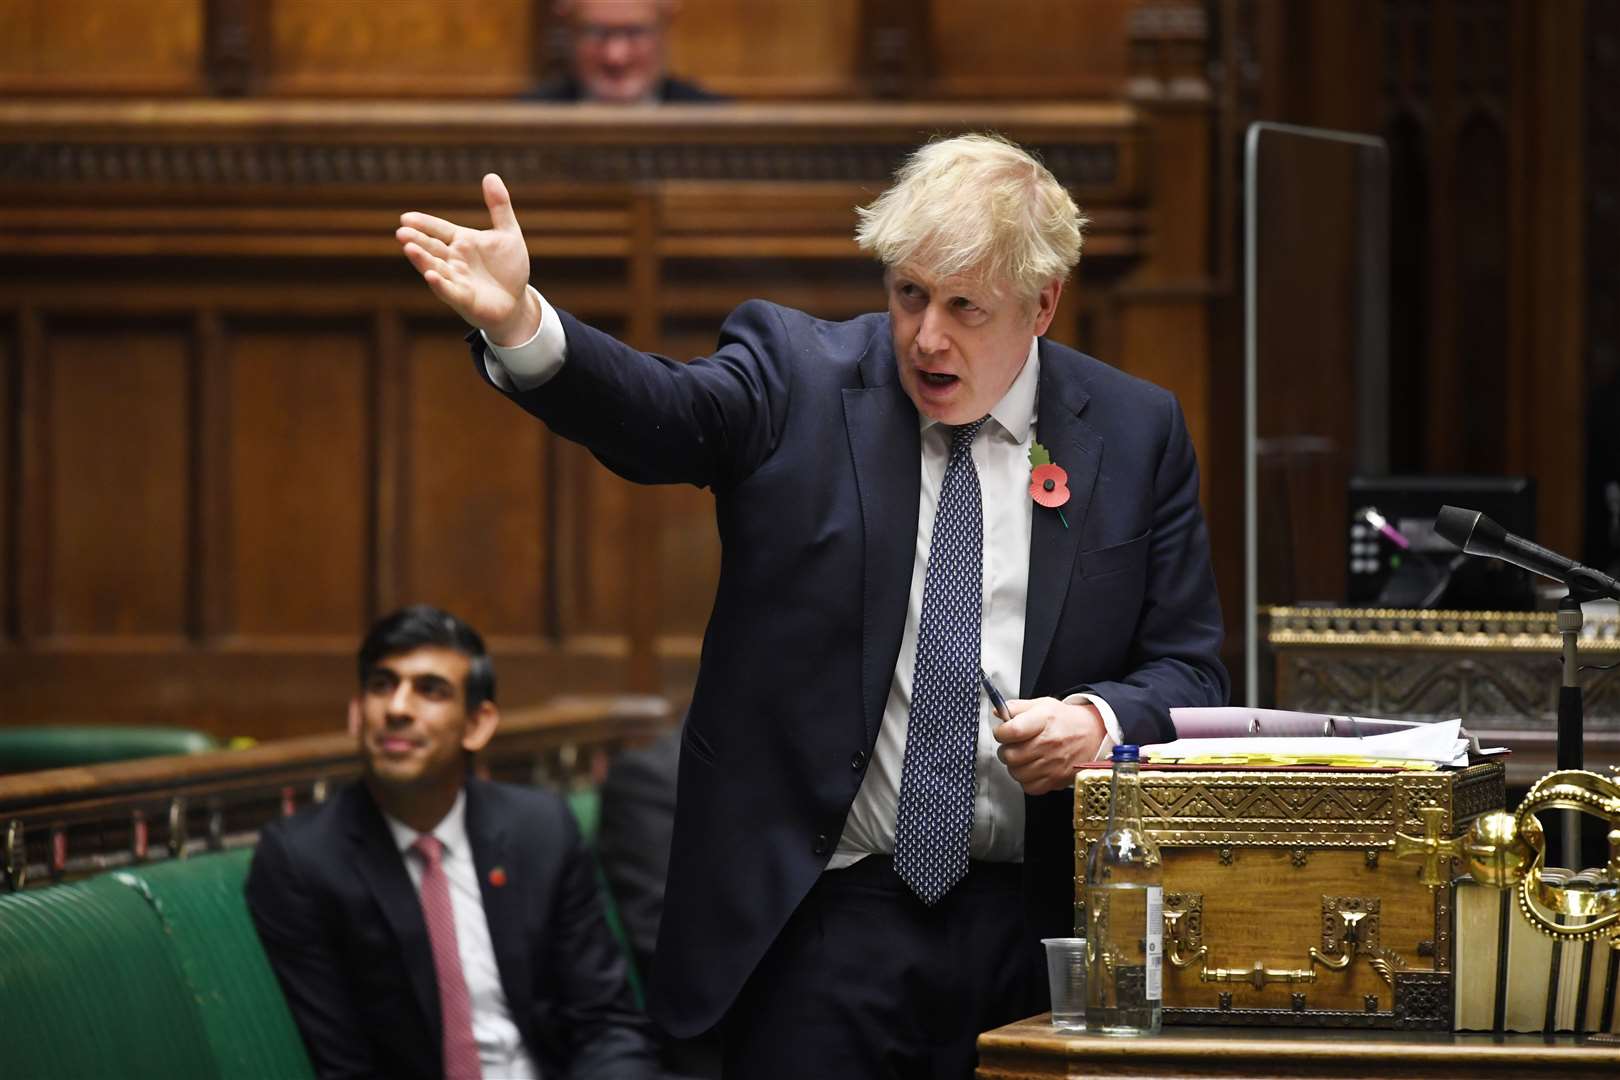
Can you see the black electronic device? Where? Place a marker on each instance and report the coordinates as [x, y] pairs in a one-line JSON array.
[[1397, 559]]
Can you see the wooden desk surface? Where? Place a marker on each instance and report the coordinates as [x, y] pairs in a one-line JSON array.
[[1031, 1048]]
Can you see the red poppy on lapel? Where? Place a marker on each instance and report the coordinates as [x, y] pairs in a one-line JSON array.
[[1048, 483], [497, 876]]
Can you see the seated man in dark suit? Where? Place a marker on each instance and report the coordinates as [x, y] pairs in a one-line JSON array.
[[616, 55], [424, 923]]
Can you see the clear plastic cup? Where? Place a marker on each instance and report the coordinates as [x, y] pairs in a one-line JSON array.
[[1066, 974]]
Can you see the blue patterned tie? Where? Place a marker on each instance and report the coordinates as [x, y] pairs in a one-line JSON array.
[[935, 815]]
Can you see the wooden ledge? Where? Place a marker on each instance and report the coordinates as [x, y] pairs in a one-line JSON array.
[[1032, 1048]]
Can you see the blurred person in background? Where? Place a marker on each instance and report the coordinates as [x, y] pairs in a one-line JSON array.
[[616, 55]]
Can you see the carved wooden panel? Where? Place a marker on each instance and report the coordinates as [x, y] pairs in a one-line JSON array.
[[601, 519], [1498, 671], [101, 47], [117, 425], [407, 48], [768, 48], [472, 522], [300, 466], [1034, 49], [8, 504]]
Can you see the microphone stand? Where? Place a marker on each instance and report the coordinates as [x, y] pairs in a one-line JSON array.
[[1571, 703]]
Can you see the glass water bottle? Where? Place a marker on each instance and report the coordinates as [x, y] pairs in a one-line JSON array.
[[1125, 914]]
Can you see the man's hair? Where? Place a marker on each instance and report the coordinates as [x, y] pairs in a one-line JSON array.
[[976, 205], [424, 625]]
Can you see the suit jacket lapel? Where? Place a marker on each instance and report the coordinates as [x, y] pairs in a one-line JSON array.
[[1077, 447], [885, 445], [380, 864], [486, 833]]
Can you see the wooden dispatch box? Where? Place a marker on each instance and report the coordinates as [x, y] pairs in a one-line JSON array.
[[1284, 903]]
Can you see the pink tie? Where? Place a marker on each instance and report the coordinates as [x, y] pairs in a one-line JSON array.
[[455, 1007]]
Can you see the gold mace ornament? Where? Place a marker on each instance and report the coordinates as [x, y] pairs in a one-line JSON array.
[[1508, 851]]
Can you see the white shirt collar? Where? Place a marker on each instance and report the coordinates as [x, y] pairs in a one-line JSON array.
[[1015, 412], [451, 831]]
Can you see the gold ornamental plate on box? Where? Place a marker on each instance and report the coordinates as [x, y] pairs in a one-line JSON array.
[[1284, 903]]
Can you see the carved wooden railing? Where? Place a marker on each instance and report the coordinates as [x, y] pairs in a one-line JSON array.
[[1497, 670], [60, 824]]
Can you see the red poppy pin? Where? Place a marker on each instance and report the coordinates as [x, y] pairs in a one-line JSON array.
[[1048, 483], [497, 876]]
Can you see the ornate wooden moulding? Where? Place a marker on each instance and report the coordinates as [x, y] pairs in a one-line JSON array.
[[1497, 670]]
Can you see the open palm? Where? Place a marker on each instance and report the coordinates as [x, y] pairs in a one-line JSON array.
[[479, 273]]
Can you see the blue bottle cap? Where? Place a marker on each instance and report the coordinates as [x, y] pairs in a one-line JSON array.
[[1126, 752]]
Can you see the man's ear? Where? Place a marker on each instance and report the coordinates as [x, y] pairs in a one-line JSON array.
[[481, 727], [354, 717], [1046, 302]]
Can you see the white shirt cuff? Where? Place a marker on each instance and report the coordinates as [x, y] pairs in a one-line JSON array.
[[1110, 722], [533, 363]]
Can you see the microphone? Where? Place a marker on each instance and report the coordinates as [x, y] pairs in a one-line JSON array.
[[1477, 534]]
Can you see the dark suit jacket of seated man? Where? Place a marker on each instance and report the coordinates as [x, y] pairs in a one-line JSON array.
[[338, 907], [824, 444]]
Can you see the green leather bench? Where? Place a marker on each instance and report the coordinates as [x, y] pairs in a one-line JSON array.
[[157, 972], [151, 972], [23, 749]]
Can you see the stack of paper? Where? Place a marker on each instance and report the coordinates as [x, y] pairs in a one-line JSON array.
[[1421, 746]]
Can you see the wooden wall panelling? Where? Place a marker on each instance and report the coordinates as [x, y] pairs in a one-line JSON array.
[[1548, 385], [8, 481], [301, 476], [1051, 49], [118, 431], [237, 45], [212, 598], [894, 45], [400, 48], [34, 558], [101, 47], [472, 509], [1163, 303], [390, 584], [1446, 367], [769, 48], [601, 524]]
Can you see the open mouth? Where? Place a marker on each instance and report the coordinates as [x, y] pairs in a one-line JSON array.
[[931, 378]]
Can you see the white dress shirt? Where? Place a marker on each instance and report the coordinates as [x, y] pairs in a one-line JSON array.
[[1001, 456], [500, 1045]]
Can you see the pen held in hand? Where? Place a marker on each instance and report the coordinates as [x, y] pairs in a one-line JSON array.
[[998, 704]]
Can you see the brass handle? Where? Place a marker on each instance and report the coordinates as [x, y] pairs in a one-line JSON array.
[[1173, 935], [1258, 975]]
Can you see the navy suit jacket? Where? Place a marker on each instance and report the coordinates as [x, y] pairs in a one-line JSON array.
[[343, 928], [812, 449]]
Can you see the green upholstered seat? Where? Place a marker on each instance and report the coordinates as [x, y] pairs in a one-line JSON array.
[[89, 987], [153, 972], [198, 903], [23, 749]]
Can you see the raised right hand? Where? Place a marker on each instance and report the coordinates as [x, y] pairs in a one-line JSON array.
[[481, 274]]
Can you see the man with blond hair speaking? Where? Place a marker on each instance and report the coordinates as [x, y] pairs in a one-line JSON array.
[[864, 856]]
